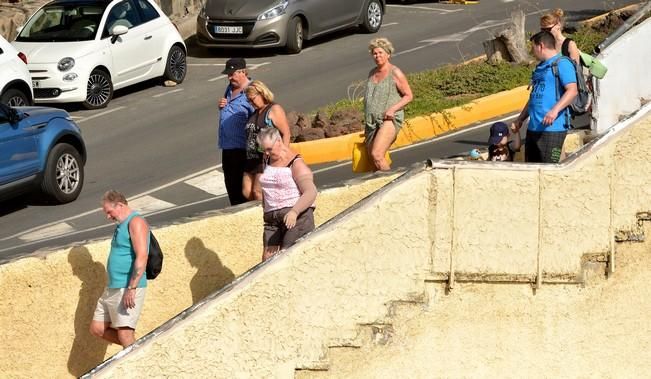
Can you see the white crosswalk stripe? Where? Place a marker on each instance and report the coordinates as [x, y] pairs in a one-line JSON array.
[[211, 182], [51, 231], [149, 204]]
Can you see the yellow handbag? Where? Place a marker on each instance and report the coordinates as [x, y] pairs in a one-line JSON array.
[[361, 161]]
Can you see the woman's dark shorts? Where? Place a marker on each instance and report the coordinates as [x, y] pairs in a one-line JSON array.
[[253, 166], [277, 234]]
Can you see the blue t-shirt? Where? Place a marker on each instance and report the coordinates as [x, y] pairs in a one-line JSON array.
[[120, 260], [232, 120], [543, 95]]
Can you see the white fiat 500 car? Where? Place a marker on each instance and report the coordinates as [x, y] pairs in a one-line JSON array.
[[82, 50], [15, 81]]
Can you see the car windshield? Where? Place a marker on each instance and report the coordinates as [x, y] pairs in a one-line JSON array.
[[63, 23]]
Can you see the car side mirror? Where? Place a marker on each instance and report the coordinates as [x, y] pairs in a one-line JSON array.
[[119, 30], [10, 114]]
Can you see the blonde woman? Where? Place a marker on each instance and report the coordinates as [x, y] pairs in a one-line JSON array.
[[553, 22], [387, 93], [267, 114]]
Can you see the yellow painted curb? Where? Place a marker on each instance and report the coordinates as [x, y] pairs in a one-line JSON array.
[[419, 128]]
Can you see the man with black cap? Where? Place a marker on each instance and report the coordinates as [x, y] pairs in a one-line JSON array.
[[233, 115], [499, 146]]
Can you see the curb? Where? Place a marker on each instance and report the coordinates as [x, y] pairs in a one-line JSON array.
[[419, 128]]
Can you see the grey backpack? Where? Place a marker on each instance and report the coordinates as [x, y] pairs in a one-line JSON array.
[[583, 99]]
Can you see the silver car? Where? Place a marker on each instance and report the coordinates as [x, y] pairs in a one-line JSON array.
[[282, 23]]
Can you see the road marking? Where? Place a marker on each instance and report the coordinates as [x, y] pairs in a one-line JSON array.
[[250, 67], [168, 92], [211, 182], [425, 8], [206, 64], [390, 24], [55, 230], [84, 119], [217, 78], [457, 37], [202, 172], [132, 198], [149, 204]]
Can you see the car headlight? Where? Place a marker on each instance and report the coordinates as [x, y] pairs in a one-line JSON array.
[[66, 64], [276, 11]]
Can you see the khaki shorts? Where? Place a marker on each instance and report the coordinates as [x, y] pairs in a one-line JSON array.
[[111, 309]]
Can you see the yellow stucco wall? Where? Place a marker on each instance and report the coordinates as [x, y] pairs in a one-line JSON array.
[[47, 302], [480, 330], [324, 290]]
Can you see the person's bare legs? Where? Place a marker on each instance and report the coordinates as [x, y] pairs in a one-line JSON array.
[[121, 336], [269, 252], [127, 336], [257, 188], [251, 188], [381, 143], [103, 330]]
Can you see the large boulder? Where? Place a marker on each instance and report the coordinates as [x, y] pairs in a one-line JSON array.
[[320, 121], [310, 134]]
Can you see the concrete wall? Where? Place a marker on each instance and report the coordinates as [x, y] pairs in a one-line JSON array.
[[484, 330], [477, 220], [626, 86], [47, 301]]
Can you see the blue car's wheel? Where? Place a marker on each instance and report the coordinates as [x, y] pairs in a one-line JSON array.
[[64, 174]]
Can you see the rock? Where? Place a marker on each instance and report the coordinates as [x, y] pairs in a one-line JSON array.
[[292, 118], [310, 134], [352, 127], [169, 83], [294, 131], [333, 130], [320, 120], [302, 121], [346, 115]]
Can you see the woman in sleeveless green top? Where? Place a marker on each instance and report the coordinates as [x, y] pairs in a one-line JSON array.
[[387, 93]]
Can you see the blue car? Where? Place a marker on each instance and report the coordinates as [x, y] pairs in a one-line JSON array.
[[40, 148]]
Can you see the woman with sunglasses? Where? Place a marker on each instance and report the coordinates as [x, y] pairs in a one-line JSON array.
[[288, 194], [267, 114], [553, 22]]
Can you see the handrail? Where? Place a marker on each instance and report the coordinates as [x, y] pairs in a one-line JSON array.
[[626, 26]]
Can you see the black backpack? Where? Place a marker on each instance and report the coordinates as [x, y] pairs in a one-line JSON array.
[[154, 259], [583, 100]]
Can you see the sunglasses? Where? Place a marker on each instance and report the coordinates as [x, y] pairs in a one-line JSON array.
[[548, 29]]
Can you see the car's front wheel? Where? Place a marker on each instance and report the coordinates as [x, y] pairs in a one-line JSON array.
[[99, 90], [294, 36], [372, 17], [64, 174], [14, 98], [176, 66]]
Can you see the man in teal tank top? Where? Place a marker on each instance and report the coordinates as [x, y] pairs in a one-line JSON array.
[[119, 307]]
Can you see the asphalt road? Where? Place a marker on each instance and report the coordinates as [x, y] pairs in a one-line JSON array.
[[158, 145]]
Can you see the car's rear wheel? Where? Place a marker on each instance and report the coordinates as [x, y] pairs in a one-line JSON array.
[[99, 90], [64, 174], [295, 36], [176, 67], [15, 98], [372, 19]]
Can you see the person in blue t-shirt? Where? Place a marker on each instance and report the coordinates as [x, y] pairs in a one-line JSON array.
[[548, 103], [234, 112]]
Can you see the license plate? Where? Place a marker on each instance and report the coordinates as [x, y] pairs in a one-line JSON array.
[[36, 84], [221, 29]]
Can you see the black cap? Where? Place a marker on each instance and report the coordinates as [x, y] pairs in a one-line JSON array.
[[498, 131], [233, 65]]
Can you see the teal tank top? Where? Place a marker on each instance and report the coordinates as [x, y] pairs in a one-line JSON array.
[[120, 261]]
